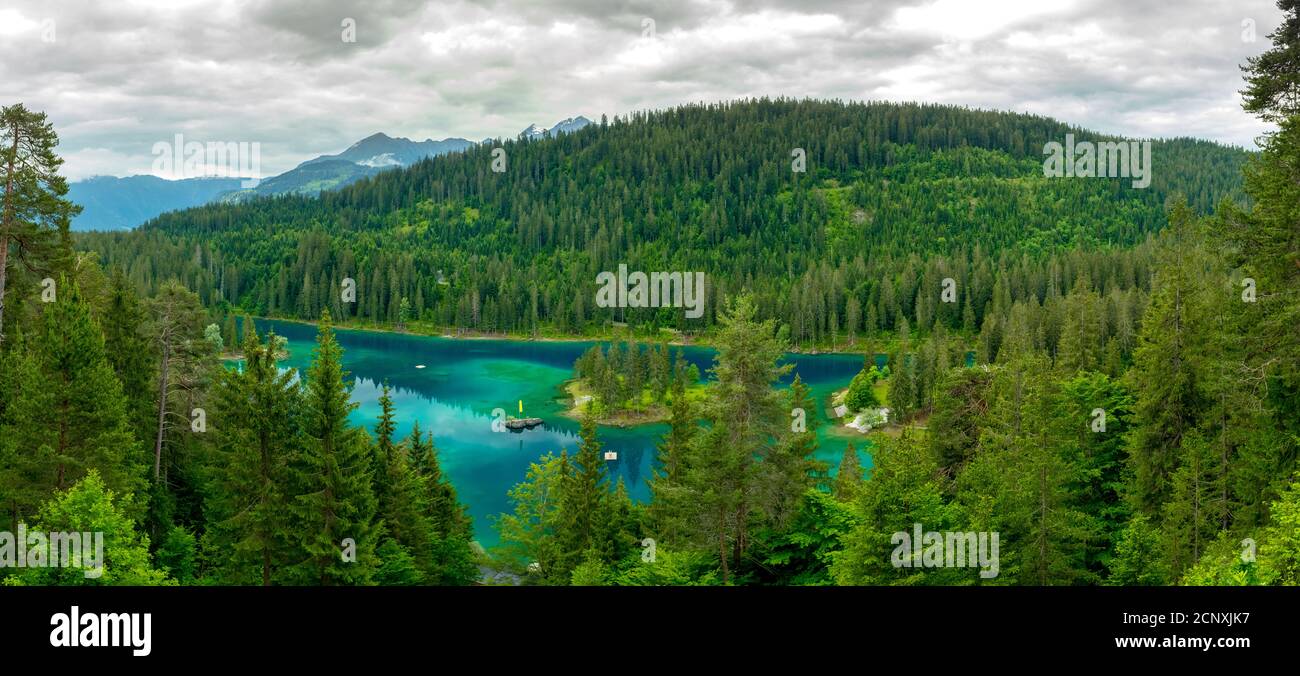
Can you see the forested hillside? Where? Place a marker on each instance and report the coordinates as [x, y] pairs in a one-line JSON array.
[[895, 197]]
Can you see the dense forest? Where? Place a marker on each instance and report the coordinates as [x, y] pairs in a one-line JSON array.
[[1110, 380], [895, 198]]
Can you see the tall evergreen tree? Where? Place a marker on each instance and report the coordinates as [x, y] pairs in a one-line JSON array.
[[584, 499], [1165, 372], [335, 506], [129, 351], [848, 478], [669, 503], [34, 206], [257, 431], [68, 415]]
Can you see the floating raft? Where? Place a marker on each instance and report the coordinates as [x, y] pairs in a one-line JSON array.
[[523, 423]]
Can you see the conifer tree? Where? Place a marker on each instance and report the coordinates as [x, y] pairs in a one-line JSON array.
[[68, 415], [745, 405], [1164, 372], [1138, 559], [848, 478], [129, 351], [584, 498], [792, 468], [669, 503], [335, 501], [401, 495], [452, 561], [34, 210], [257, 430]]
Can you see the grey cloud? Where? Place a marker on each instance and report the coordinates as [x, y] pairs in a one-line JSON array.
[[124, 75]]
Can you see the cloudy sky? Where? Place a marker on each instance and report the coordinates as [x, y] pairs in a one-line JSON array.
[[117, 77]]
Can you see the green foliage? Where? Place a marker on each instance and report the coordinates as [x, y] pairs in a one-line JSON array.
[[257, 419], [1279, 553], [689, 568], [528, 535], [91, 506], [848, 478], [335, 499], [34, 215], [1138, 559], [903, 490], [129, 351], [66, 414], [1073, 295], [592, 572], [861, 394], [802, 555], [397, 567], [1224, 564], [177, 555]]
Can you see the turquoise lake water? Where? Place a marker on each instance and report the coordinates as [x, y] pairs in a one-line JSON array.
[[463, 380]]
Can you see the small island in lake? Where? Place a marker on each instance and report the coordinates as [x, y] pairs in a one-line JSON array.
[[630, 384]]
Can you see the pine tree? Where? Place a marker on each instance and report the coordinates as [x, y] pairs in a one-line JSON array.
[[1138, 559], [1194, 512], [401, 495], [1164, 372], [1029, 473], [68, 415], [129, 351], [452, 530], [228, 333], [335, 503], [848, 478], [791, 468], [584, 498], [744, 399], [448, 514], [34, 209], [1096, 440], [530, 533], [903, 490], [256, 425], [177, 332], [668, 502]]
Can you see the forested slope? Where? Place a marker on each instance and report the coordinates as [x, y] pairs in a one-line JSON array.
[[893, 195]]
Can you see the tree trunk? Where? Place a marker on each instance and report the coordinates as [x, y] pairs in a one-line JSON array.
[[4, 229], [722, 552], [267, 480], [1042, 525], [162, 412]]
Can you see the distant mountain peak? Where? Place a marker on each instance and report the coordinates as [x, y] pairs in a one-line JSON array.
[[373, 139], [565, 126]]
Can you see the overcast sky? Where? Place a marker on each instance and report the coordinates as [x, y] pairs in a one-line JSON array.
[[117, 77]]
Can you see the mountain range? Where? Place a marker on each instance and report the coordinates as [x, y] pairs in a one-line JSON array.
[[121, 203]]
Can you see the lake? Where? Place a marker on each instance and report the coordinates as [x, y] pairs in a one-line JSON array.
[[463, 380]]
